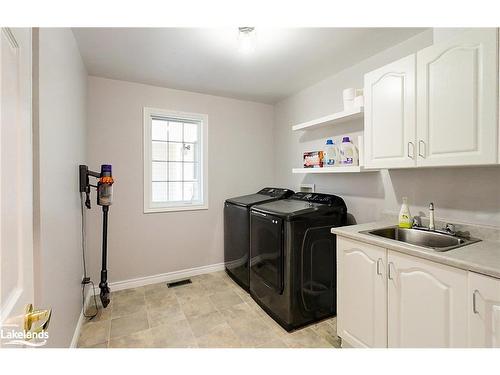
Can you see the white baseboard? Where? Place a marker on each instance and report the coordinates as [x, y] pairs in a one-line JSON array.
[[76, 334], [165, 277], [79, 323]]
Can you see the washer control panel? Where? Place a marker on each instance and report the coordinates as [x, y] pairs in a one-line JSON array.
[[276, 192], [316, 198]]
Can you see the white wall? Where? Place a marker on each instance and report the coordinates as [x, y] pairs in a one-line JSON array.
[[60, 147], [461, 194], [240, 161]]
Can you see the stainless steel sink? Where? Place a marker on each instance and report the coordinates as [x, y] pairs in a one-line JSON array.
[[430, 239]]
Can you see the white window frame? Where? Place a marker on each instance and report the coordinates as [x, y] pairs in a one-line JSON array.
[[149, 205]]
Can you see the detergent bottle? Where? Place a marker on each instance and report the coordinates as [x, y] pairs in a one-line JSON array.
[[348, 153], [331, 154]]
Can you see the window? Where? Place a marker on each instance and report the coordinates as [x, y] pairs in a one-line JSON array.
[[175, 160]]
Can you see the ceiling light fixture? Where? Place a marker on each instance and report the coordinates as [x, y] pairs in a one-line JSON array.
[[246, 39]]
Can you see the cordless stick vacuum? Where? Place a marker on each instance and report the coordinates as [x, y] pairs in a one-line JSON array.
[[104, 197]]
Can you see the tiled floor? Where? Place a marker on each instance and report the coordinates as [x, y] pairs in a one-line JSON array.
[[212, 312]]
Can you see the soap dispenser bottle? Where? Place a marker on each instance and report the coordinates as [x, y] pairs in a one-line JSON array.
[[404, 215]]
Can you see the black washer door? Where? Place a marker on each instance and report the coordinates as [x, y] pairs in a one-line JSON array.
[[266, 249]]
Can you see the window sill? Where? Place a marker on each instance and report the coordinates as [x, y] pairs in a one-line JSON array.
[[153, 210]]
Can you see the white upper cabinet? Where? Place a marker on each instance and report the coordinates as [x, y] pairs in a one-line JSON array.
[[484, 311], [457, 100], [361, 294], [427, 304], [443, 111], [390, 115]]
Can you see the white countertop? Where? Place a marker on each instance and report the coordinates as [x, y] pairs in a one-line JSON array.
[[482, 257]]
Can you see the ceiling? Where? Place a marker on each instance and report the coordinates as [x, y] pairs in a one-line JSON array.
[[208, 60]]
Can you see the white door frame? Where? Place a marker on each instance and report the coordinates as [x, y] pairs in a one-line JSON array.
[[16, 177]]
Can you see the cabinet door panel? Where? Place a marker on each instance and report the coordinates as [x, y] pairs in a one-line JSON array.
[[390, 115], [361, 294], [427, 304], [484, 311], [457, 101]]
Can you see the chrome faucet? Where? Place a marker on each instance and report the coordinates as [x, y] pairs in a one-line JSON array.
[[450, 229], [447, 229], [417, 222], [432, 226]]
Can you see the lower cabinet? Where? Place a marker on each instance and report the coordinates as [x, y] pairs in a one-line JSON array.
[[484, 311], [361, 294], [427, 303], [389, 299]]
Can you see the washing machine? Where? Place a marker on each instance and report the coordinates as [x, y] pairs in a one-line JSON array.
[[237, 228], [293, 257]]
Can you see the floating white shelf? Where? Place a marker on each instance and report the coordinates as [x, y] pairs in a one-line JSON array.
[[336, 118], [347, 169], [350, 169]]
